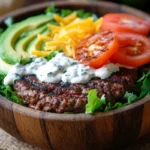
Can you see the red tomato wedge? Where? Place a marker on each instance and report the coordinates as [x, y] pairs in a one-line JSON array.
[[134, 50], [96, 50], [126, 23]]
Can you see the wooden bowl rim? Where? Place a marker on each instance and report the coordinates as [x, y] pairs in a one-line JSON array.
[[69, 117], [41, 5]]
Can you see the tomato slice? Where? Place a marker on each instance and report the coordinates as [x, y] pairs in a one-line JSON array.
[[134, 50], [96, 50], [126, 23]]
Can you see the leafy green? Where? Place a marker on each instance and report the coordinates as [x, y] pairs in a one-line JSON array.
[[65, 12], [131, 97], [99, 104], [81, 13], [111, 107], [26, 61], [53, 54], [51, 9], [49, 57], [9, 21], [94, 103], [1, 31], [144, 82], [54, 22], [142, 89], [2, 76], [8, 92]]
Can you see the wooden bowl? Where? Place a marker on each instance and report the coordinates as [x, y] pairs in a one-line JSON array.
[[110, 130]]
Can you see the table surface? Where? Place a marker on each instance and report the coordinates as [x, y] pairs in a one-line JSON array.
[[8, 142]]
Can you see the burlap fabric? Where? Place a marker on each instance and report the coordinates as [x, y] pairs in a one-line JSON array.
[[8, 142]]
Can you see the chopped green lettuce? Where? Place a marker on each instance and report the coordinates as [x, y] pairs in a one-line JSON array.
[[9, 21], [51, 9], [94, 103], [81, 13], [144, 83], [26, 61], [109, 106], [99, 104], [8, 92], [53, 54], [65, 12], [131, 97], [1, 31]]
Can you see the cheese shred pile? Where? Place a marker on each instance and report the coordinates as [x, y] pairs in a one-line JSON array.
[[68, 34]]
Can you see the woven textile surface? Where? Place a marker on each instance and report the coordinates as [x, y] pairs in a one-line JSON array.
[[8, 142]]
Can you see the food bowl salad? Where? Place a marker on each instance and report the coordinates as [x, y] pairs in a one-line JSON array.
[[73, 61]]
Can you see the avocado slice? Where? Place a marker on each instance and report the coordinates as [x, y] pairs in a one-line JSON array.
[[22, 43], [4, 67], [10, 36], [36, 44]]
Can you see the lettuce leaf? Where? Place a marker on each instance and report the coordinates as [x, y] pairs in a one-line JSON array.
[[51, 9], [94, 103], [131, 97], [1, 31], [142, 87], [99, 104], [109, 106], [9, 21], [144, 81], [81, 13], [8, 92], [53, 54]]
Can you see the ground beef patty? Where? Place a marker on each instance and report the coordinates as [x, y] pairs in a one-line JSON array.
[[67, 97]]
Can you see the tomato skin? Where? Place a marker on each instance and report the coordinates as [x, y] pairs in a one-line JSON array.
[[104, 59], [96, 50], [134, 50], [126, 23]]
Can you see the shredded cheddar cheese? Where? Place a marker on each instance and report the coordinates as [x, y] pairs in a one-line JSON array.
[[66, 36], [40, 53]]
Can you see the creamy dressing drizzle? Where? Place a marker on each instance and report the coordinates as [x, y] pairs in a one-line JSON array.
[[59, 68]]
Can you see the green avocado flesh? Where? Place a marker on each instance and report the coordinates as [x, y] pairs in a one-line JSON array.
[[36, 44], [12, 49], [22, 43]]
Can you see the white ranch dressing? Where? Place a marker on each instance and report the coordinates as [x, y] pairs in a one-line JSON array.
[[59, 68]]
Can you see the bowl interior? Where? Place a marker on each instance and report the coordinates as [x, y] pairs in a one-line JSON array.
[[99, 8], [109, 130]]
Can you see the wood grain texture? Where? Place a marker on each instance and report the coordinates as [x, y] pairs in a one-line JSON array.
[[145, 127], [102, 131], [9, 5], [30, 127], [7, 118]]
